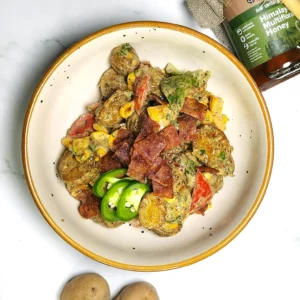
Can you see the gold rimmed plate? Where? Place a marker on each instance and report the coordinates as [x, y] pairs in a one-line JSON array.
[[71, 83]]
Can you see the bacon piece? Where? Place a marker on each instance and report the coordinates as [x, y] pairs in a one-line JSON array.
[[138, 168], [171, 137], [108, 162], [194, 108], [187, 128], [123, 135], [150, 147], [123, 154], [203, 169], [147, 125], [155, 166], [89, 204], [163, 191], [163, 176], [83, 126]]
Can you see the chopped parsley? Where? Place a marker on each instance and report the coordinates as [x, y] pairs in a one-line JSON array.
[[202, 151], [222, 155]]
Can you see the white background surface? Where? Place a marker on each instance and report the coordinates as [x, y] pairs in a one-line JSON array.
[[263, 262]]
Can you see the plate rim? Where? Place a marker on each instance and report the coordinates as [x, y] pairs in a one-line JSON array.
[[254, 87]]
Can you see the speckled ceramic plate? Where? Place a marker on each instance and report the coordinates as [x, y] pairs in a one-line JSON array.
[[71, 83]]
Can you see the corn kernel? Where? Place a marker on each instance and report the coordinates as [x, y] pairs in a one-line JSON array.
[[207, 175], [130, 80], [161, 114], [216, 105], [66, 142], [169, 226], [85, 156], [127, 109], [80, 144], [209, 205], [99, 135], [225, 119], [218, 123], [99, 127], [101, 151], [209, 118]]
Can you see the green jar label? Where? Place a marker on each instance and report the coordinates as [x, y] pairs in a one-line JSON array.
[[263, 32]]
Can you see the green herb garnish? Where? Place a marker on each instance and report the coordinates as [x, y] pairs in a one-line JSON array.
[[222, 155]]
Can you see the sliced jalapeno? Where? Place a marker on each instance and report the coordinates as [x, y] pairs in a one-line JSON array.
[[111, 199], [130, 200], [103, 183]]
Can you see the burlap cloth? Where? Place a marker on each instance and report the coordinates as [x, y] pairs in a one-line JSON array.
[[209, 14]]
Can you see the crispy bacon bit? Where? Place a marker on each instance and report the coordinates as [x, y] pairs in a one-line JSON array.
[[203, 169], [83, 126], [171, 137], [147, 125], [163, 191], [108, 162], [187, 128], [150, 147], [138, 168], [158, 99], [163, 176], [155, 166], [123, 154], [194, 109], [124, 135], [89, 204]]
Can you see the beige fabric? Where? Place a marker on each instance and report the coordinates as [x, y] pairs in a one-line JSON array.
[[209, 14]]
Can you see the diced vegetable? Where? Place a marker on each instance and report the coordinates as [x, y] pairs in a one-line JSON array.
[[130, 80], [127, 109], [161, 114], [141, 89], [101, 185], [129, 203], [111, 199]]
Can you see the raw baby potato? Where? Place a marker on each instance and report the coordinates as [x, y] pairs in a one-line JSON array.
[[138, 291], [86, 287]]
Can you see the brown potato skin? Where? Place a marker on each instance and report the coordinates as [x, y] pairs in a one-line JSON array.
[[88, 286], [124, 64], [138, 291], [110, 82], [152, 215], [109, 114], [215, 143], [75, 173]]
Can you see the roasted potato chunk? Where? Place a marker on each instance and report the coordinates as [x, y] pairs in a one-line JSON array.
[[153, 213], [110, 82], [73, 172], [212, 148], [124, 59], [109, 115]]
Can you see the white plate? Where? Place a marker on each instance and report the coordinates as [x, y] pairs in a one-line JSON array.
[[71, 84]]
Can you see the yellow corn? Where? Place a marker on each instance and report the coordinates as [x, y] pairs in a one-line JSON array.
[[170, 226], [97, 158], [161, 114], [112, 137], [216, 105], [85, 156], [66, 142], [207, 175], [80, 144], [101, 151], [130, 80], [225, 119], [127, 109], [204, 101], [99, 135], [209, 118], [99, 127], [209, 205], [219, 123]]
